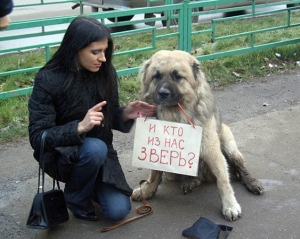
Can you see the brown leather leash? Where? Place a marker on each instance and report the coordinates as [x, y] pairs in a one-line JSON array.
[[142, 211]]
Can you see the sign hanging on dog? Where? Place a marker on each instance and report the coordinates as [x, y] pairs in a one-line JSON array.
[[167, 146]]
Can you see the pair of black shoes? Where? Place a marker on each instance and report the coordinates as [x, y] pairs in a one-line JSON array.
[[91, 216]]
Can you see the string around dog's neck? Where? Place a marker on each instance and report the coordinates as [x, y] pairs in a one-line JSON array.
[[183, 111]]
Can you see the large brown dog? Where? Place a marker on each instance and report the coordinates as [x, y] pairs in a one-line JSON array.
[[172, 77]]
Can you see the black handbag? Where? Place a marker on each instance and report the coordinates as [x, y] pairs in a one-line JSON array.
[[48, 208]]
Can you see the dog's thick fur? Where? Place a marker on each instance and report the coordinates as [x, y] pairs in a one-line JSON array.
[[172, 77]]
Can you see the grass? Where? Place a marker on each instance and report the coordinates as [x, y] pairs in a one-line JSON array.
[[222, 71]]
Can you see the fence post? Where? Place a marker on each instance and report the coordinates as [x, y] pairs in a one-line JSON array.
[[185, 27], [168, 13]]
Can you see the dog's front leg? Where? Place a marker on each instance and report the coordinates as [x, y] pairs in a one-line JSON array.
[[149, 187], [217, 163]]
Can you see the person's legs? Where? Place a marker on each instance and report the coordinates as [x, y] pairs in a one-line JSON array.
[[80, 185], [115, 204]]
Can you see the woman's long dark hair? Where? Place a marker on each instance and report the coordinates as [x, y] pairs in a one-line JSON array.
[[82, 31]]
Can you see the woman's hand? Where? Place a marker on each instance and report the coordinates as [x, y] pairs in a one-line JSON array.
[[4, 22], [136, 109], [93, 117]]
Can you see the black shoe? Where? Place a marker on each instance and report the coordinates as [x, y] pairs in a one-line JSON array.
[[91, 216]]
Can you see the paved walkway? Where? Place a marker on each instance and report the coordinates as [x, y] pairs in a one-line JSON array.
[[269, 140]]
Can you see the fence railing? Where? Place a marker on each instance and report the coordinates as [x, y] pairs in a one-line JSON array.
[[12, 40]]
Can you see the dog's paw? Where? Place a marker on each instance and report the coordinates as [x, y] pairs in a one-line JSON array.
[[136, 195], [232, 211], [147, 190], [254, 186], [189, 184]]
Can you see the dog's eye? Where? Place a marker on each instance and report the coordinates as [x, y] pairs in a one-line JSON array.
[[176, 76], [156, 76]]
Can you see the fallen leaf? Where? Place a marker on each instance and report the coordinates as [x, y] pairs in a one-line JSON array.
[[17, 83], [278, 54], [236, 74], [4, 129]]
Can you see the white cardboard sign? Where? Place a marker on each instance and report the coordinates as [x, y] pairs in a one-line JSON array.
[[167, 146]]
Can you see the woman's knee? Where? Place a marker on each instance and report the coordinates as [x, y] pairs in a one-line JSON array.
[[115, 205], [94, 150], [118, 212]]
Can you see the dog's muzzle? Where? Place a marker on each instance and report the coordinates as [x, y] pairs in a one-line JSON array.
[[167, 94]]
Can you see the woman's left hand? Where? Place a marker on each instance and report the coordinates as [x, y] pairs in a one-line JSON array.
[[136, 109]]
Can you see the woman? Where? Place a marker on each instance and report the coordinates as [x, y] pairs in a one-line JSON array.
[[75, 98]]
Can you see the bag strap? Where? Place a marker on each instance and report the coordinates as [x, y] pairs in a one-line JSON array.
[[41, 163], [42, 166], [142, 211]]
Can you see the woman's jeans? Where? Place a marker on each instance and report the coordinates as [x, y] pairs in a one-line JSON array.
[[84, 184]]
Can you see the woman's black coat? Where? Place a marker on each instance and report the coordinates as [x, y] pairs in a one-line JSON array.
[[58, 104]]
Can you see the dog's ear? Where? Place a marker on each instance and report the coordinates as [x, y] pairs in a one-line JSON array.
[[145, 81], [196, 67], [143, 70]]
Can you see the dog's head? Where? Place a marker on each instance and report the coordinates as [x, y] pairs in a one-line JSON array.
[[170, 77]]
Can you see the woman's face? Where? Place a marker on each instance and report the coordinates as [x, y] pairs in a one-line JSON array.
[[92, 56]]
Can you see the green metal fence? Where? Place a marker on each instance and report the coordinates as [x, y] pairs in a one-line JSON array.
[[181, 13]]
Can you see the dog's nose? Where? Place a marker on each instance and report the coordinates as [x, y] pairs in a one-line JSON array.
[[164, 93]]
